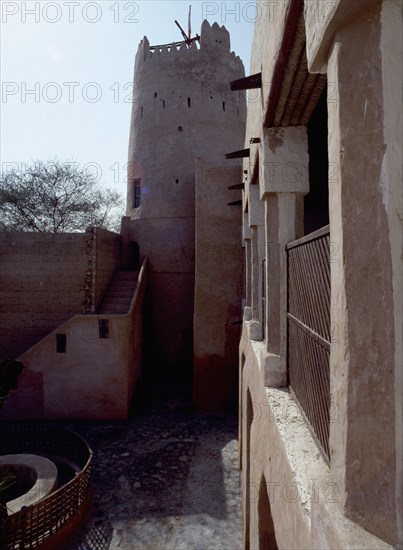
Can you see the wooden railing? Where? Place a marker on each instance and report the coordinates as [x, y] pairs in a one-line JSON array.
[[309, 330], [34, 525]]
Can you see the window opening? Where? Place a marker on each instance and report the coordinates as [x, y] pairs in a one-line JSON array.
[[103, 328], [136, 193], [61, 343]]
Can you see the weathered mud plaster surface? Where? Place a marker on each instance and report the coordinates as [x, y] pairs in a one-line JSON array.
[[218, 287], [359, 44], [304, 496], [363, 298]]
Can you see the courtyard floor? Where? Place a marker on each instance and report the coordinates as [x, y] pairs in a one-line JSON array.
[[165, 479]]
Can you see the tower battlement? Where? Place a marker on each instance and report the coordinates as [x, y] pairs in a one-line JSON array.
[[214, 41]]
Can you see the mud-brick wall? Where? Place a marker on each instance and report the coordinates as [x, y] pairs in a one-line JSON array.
[[41, 285], [45, 279]]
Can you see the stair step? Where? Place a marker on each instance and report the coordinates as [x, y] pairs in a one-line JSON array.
[[109, 296], [126, 287], [117, 304], [119, 295], [113, 309], [123, 283], [125, 276]]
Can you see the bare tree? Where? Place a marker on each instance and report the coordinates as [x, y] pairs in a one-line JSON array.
[[56, 197]]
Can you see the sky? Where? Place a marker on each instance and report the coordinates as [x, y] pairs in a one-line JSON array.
[[67, 71]]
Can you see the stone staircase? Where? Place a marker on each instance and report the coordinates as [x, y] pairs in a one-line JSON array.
[[119, 294]]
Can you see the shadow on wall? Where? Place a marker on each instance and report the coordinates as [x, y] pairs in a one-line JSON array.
[[240, 438], [267, 538], [9, 373], [249, 420]]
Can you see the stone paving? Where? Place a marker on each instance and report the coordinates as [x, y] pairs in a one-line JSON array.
[[165, 479]]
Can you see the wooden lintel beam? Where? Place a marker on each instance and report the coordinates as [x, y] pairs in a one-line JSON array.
[[247, 83], [243, 153], [235, 203], [237, 186]]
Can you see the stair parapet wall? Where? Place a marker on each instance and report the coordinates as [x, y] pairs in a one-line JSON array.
[[93, 378]]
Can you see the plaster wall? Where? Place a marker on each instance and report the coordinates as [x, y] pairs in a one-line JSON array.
[[268, 32], [303, 494], [46, 278], [359, 45], [364, 361], [322, 20], [218, 287], [94, 378], [391, 186], [41, 284]]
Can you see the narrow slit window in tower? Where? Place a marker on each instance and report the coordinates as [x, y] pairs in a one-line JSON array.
[[189, 102], [136, 193], [104, 328]]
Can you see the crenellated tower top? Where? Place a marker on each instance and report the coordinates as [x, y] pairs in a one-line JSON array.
[[213, 42]]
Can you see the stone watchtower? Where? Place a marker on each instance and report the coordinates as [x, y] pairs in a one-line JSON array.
[[182, 109]]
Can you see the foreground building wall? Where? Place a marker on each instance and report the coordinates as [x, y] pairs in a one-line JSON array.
[[295, 495]]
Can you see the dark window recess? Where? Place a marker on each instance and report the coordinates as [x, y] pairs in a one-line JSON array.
[[134, 256], [316, 202], [189, 102], [103, 328], [136, 193], [243, 153], [163, 103], [155, 94], [61, 343], [177, 181], [223, 105], [142, 111]]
